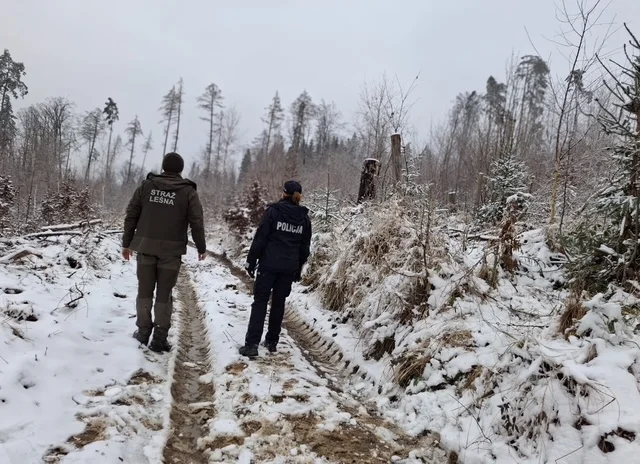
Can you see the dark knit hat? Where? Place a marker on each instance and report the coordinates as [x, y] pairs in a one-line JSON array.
[[291, 187], [173, 163]]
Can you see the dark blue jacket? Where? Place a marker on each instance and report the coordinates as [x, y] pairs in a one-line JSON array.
[[282, 241]]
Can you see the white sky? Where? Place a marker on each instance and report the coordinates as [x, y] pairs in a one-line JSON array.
[[134, 50]]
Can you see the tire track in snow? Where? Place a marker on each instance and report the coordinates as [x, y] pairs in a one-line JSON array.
[[328, 359], [192, 405], [322, 352]]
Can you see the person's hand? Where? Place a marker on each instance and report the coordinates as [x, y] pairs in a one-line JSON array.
[[251, 270], [127, 253], [202, 256]]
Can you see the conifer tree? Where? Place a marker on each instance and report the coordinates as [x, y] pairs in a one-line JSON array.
[[273, 119], [210, 102], [507, 181], [133, 130], [11, 85]]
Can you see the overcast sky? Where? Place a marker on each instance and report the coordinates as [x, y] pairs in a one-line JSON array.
[[135, 50]]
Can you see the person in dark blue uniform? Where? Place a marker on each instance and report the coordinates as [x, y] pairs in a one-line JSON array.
[[280, 249]]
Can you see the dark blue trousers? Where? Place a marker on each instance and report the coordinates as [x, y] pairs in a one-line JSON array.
[[276, 285]]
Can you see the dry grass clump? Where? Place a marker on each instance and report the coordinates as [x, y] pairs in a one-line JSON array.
[[469, 382], [574, 310], [335, 294], [382, 347], [410, 368], [460, 338]]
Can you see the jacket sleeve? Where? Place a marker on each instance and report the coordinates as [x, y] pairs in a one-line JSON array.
[[261, 238], [131, 217], [196, 222], [305, 249]]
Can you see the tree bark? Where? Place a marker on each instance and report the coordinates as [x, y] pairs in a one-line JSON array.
[[179, 97], [109, 143], [370, 170], [211, 131], [166, 135], [133, 147], [396, 157], [91, 148]]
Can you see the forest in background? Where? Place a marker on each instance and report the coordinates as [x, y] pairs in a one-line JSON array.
[[547, 138]]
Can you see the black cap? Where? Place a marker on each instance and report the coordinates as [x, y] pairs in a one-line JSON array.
[[291, 187], [173, 163]]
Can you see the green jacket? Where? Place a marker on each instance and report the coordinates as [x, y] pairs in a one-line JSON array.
[[159, 214]]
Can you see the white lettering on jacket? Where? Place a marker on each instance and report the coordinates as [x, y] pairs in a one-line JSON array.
[[160, 196], [286, 227]]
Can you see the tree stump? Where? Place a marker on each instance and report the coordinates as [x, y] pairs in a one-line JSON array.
[[370, 170], [396, 157], [452, 199]]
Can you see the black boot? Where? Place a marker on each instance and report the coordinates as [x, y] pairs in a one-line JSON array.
[[160, 346], [250, 351], [142, 337], [272, 347], [159, 341]]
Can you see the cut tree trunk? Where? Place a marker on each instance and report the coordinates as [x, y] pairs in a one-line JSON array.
[[396, 157], [17, 255], [77, 225], [370, 170]]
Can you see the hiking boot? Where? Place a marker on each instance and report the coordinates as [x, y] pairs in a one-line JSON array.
[[159, 341], [250, 351], [141, 337], [272, 347], [160, 346]]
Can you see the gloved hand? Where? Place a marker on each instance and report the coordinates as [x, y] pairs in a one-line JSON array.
[[251, 270]]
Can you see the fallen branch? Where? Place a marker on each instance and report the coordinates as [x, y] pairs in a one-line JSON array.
[[53, 234], [18, 333], [74, 301], [19, 254], [77, 225]]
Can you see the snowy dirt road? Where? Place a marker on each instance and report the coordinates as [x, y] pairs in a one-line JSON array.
[[76, 388], [287, 407]]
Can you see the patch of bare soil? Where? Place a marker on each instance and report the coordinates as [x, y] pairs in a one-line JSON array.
[[140, 377], [192, 401], [93, 432]]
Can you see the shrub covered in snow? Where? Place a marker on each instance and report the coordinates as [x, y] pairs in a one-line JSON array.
[[387, 246], [516, 368], [68, 204], [324, 207], [247, 211], [506, 185]]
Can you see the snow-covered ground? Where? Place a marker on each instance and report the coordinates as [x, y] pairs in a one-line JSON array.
[[485, 371], [491, 373], [280, 407], [484, 365], [74, 386]]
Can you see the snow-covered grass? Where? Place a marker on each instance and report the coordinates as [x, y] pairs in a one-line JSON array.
[[74, 385], [480, 355]]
